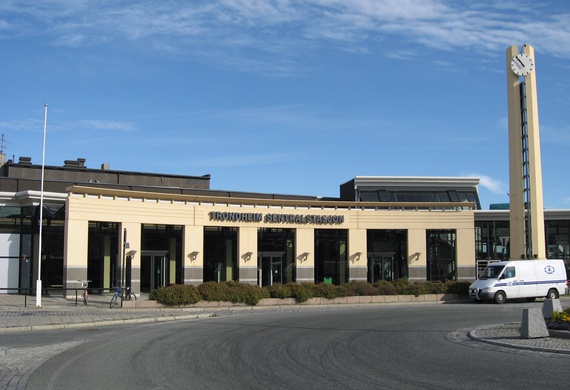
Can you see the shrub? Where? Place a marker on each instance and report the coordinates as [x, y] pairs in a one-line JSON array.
[[404, 287], [358, 288], [561, 316], [175, 295], [329, 291], [213, 291], [419, 288], [302, 292], [385, 288], [232, 291], [249, 294], [401, 284], [460, 288], [436, 287], [278, 290]]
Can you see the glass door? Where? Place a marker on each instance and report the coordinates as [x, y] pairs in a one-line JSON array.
[[154, 270], [269, 268], [380, 267]]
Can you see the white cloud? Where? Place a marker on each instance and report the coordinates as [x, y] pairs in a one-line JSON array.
[[25, 125], [401, 54], [99, 124], [288, 30], [86, 124], [494, 185]]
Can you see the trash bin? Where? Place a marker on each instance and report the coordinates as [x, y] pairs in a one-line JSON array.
[[328, 280]]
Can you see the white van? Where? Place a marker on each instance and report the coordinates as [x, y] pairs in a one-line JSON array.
[[528, 279]]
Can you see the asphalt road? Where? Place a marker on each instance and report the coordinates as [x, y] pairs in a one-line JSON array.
[[367, 347]]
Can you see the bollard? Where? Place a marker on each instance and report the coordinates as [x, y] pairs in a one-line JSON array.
[[533, 325], [550, 306]]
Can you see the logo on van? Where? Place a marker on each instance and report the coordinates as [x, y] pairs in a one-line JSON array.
[[549, 269]]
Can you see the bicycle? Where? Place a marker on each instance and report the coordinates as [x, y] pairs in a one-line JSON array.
[[124, 295], [84, 294]]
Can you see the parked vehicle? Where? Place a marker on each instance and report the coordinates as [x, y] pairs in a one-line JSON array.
[[528, 279]]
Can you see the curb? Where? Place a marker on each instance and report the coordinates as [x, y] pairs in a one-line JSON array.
[[92, 324], [206, 312], [560, 334], [472, 334]]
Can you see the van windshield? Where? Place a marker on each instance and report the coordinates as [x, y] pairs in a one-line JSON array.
[[492, 272]]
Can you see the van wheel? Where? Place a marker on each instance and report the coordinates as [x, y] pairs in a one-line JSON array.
[[500, 297], [552, 294]]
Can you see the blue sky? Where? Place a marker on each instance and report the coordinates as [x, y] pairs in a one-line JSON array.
[[280, 96]]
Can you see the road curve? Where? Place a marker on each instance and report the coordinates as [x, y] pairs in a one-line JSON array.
[[367, 347]]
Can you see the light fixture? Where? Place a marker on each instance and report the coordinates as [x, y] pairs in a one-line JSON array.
[[357, 256], [131, 253], [247, 256], [304, 256], [417, 255], [193, 255]]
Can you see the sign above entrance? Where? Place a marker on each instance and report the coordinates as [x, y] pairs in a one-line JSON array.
[[226, 216]]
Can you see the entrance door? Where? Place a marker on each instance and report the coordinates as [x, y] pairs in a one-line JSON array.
[[380, 267], [155, 270], [269, 268]]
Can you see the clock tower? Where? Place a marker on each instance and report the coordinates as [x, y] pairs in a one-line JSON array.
[[527, 238]]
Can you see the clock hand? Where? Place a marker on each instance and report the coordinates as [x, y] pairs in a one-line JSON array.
[[520, 62]]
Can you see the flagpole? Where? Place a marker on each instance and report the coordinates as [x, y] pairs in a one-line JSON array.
[[41, 220]]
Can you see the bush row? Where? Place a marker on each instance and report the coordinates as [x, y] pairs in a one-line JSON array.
[[251, 295]]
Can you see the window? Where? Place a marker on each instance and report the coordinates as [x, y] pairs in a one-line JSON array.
[[509, 272], [220, 254], [441, 263], [273, 242], [330, 255]]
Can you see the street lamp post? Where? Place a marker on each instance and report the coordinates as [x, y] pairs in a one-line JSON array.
[[39, 281]]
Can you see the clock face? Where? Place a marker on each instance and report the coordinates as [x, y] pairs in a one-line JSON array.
[[522, 65]]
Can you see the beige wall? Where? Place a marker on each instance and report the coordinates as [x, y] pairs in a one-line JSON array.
[[193, 250], [247, 254], [357, 256], [132, 212]]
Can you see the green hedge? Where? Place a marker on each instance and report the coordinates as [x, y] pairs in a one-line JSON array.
[[232, 291], [178, 294], [251, 295]]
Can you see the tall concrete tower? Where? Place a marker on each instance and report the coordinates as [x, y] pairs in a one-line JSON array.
[[527, 239]]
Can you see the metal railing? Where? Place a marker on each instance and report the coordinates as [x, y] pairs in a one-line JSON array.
[[45, 292]]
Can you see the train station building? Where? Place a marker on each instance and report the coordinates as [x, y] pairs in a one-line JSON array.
[[153, 230]]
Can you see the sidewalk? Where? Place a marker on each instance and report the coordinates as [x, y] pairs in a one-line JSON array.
[[59, 313]]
